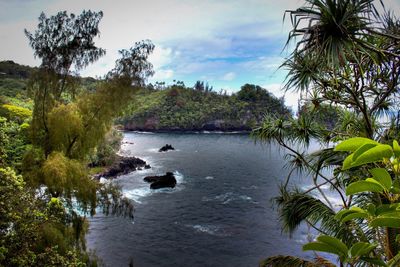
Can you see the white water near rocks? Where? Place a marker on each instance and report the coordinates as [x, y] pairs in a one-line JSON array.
[[219, 214]]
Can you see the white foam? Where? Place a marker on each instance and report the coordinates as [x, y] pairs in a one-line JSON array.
[[139, 193], [139, 132], [209, 229], [179, 178], [104, 180], [228, 198], [209, 178], [249, 187]]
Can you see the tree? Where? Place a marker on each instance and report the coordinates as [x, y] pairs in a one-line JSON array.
[[68, 124], [348, 56]]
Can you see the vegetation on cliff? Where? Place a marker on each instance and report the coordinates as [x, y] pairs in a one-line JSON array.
[[182, 108]]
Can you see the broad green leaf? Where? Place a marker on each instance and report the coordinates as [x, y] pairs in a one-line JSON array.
[[393, 222], [396, 148], [353, 215], [363, 186], [362, 149], [394, 190], [347, 162], [387, 208], [371, 209], [353, 144], [390, 214], [343, 213], [372, 180], [357, 209], [322, 247], [374, 154], [382, 176], [334, 242], [360, 249]]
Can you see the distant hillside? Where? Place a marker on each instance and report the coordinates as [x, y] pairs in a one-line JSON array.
[[14, 78], [178, 108], [175, 108]]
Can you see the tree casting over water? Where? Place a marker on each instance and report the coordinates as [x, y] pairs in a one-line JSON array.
[[44, 207]]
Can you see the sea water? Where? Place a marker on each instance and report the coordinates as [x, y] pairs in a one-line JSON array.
[[219, 214]]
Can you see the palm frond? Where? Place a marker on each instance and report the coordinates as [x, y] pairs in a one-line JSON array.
[[332, 28], [295, 207]]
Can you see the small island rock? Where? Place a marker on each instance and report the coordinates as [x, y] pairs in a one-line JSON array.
[[161, 181], [166, 148]]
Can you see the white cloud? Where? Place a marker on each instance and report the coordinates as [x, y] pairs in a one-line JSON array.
[[264, 63], [193, 38], [161, 56], [291, 98], [228, 76], [162, 74]]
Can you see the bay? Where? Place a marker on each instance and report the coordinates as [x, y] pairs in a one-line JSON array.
[[219, 214]]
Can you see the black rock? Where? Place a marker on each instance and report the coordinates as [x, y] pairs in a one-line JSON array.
[[147, 166], [166, 148], [161, 181], [123, 165]]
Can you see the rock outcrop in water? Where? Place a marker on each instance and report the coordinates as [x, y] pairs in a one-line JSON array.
[[124, 165], [161, 181], [166, 148]]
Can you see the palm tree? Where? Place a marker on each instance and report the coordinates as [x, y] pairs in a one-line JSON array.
[[347, 56]]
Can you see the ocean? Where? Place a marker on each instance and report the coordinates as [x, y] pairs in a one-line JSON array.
[[219, 214]]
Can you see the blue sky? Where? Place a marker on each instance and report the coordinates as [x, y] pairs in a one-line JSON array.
[[225, 42]]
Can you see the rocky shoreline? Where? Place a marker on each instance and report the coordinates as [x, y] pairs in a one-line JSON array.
[[184, 131], [123, 165]]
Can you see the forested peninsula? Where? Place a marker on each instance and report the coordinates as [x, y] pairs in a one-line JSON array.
[[169, 108]]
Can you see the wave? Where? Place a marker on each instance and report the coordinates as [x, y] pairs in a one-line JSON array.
[[209, 178], [209, 229], [249, 187], [228, 198], [137, 194], [140, 132]]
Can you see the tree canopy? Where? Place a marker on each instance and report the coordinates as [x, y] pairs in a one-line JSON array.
[[53, 192], [346, 56]]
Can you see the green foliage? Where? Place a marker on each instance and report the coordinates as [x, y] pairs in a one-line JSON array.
[[344, 44], [31, 232], [13, 142], [345, 57], [41, 215], [15, 113], [105, 153], [10, 69], [74, 44], [181, 108], [379, 215], [325, 115]]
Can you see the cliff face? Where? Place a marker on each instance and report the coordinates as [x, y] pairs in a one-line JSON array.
[[153, 124], [184, 109]]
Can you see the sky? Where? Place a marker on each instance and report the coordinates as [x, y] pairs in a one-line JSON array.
[[226, 43]]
